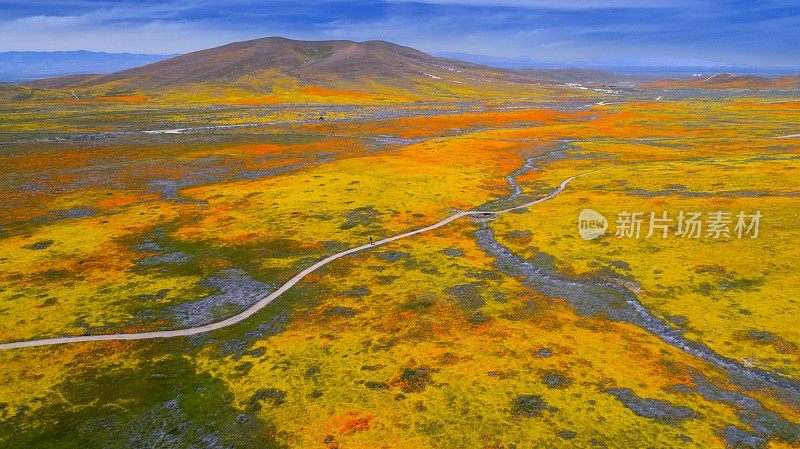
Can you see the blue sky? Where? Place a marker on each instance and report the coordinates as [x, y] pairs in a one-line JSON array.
[[761, 32]]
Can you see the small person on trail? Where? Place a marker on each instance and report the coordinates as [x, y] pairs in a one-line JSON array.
[[370, 240]]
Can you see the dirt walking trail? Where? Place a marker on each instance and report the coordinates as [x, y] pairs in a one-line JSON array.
[[263, 302]]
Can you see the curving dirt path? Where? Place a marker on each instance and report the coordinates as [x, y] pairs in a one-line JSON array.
[[263, 302]]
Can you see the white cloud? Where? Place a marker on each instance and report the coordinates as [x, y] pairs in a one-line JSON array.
[[157, 37], [47, 21], [538, 29], [561, 4]]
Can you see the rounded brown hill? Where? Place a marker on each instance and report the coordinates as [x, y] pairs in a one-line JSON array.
[[308, 61]]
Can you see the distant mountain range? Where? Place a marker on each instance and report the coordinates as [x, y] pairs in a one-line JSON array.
[[22, 66], [638, 67], [727, 81], [19, 66], [279, 70]]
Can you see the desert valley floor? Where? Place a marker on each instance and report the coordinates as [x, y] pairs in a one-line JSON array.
[[500, 327]]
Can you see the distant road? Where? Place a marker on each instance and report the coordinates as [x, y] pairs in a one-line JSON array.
[[263, 302]]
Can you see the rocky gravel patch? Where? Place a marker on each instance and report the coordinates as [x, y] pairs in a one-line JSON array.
[[235, 289], [653, 408]]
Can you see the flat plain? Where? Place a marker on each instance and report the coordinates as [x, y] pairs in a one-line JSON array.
[[143, 209]]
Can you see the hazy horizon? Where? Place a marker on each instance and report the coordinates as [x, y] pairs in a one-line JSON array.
[[21, 66]]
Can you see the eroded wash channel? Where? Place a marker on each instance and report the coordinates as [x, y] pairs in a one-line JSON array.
[[612, 299]]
